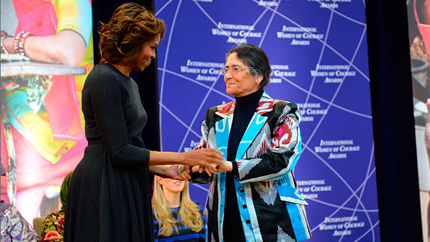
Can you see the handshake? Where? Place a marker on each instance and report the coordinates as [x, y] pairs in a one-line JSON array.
[[209, 160]]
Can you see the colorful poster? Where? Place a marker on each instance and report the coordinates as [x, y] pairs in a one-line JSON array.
[[318, 53], [47, 50], [419, 40]]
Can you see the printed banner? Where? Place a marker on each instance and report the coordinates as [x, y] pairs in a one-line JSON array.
[[318, 53], [42, 134], [419, 39]]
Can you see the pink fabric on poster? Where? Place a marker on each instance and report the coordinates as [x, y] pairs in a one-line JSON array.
[[424, 29], [36, 16], [61, 104], [30, 210], [35, 173]]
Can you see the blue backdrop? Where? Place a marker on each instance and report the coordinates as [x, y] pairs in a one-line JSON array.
[[318, 53]]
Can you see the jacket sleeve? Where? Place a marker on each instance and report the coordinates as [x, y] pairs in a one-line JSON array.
[[204, 139], [277, 148], [203, 177], [16, 227]]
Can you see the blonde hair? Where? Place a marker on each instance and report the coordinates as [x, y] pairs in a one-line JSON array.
[[188, 214]]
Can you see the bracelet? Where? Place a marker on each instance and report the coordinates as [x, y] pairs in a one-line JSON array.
[[16, 42], [19, 42], [3, 37]]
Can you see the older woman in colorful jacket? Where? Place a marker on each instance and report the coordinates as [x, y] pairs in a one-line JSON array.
[[254, 196]]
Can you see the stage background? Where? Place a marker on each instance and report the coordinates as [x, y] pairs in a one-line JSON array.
[[318, 53], [391, 94]]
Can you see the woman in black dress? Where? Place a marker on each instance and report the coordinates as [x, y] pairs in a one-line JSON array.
[[109, 193]]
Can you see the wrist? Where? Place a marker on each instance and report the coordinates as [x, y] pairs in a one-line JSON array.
[[4, 39], [181, 158], [8, 44]]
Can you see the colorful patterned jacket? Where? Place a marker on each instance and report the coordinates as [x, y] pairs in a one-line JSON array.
[[270, 204], [14, 227]]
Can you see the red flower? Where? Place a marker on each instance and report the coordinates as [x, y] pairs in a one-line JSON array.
[[61, 220], [52, 235]]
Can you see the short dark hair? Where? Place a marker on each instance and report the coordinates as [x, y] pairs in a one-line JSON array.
[[254, 57], [123, 35]]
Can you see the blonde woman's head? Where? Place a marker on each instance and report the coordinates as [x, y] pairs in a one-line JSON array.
[[188, 212]]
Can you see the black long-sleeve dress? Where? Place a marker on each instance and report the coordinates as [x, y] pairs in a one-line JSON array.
[[109, 193]]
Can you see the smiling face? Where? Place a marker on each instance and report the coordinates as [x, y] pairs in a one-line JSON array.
[[242, 82], [145, 55]]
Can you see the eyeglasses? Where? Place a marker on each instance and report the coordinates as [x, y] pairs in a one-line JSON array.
[[233, 69]]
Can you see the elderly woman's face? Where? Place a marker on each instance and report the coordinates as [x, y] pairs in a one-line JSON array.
[[241, 82]]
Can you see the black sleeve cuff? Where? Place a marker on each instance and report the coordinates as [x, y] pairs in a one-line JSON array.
[[235, 171], [197, 177]]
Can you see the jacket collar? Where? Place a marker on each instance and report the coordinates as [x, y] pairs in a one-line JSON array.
[[265, 105]]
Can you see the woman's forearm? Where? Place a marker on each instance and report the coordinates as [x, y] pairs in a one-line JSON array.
[[159, 170], [207, 158], [67, 47], [164, 158]]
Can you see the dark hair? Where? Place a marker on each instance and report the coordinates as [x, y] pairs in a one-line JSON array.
[[122, 36], [254, 57]]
